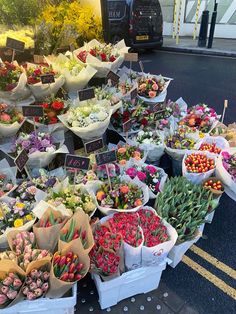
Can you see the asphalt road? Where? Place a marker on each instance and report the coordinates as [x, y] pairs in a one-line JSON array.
[[183, 290]]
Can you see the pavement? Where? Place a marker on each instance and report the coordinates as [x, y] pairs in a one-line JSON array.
[[220, 47], [205, 281]]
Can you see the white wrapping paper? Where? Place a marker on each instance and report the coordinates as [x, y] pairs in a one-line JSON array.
[[103, 67], [220, 142]]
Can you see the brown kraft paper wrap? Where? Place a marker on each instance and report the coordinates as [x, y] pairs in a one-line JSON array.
[[82, 221], [58, 287], [47, 237], [7, 266]]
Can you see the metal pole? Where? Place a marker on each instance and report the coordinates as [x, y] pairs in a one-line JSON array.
[[213, 24], [105, 21], [202, 39]]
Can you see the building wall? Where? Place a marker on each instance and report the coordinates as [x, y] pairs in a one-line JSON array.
[[95, 3]]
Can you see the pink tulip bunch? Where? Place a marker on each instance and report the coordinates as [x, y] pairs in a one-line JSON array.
[[36, 284], [10, 287], [31, 255], [23, 242]]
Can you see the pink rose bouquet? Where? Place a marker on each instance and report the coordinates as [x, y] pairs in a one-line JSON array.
[[150, 87]]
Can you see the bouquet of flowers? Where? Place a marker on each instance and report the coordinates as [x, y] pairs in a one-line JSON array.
[[109, 94], [125, 196], [68, 266], [226, 171], [12, 82], [228, 132], [88, 120], [102, 57], [10, 120], [21, 242], [14, 214], [27, 192], [152, 88], [39, 90], [130, 154], [45, 181], [76, 74], [53, 107], [7, 178], [201, 117], [8, 255], [198, 166], [72, 198], [178, 143], [31, 255], [11, 282], [212, 144], [150, 141], [140, 115], [152, 176], [40, 147], [37, 282]]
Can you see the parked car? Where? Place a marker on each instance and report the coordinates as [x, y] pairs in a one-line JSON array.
[[138, 22]]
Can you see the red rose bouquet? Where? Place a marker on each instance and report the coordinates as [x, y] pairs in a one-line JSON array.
[[9, 76], [34, 73]]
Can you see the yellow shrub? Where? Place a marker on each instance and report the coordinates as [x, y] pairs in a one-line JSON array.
[[69, 23], [24, 34]]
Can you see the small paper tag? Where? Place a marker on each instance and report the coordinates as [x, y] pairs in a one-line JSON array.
[[21, 160], [32, 111], [15, 44], [131, 56], [47, 78], [86, 94], [39, 59], [113, 77], [127, 125], [77, 162], [106, 157], [93, 145]]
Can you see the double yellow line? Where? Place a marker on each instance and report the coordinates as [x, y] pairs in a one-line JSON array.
[[220, 284]]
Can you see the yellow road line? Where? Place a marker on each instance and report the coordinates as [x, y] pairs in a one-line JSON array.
[[214, 261], [220, 284]]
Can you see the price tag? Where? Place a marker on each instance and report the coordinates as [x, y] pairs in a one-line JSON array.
[[47, 78], [134, 94], [39, 59], [15, 44], [105, 158], [113, 77], [158, 114], [85, 94], [127, 125], [93, 145], [21, 160], [131, 56], [154, 107], [77, 162], [32, 111]]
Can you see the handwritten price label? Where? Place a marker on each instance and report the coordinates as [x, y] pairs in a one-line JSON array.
[[77, 162], [86, 94], [32, 111], [15, 44], [47, 78], [105, 158], [21, 160], [127, 125], [93, 146]]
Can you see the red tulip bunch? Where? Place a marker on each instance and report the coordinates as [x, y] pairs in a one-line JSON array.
[[212, 148], [67, 267], [199, 163], [73, 233]]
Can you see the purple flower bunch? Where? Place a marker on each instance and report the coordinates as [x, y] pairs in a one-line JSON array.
[[26, 191], [36, 284], [10, 287], [229, 163], [34, 142]]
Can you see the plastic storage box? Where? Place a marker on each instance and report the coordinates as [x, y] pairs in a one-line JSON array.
[[64, 305], [140, 280]]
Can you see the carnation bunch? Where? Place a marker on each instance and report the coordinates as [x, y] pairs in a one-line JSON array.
[[34, 142], [9, 76], [103, 53], [10, 287], [126, 152], [10, 115], [36, 284], [34, 73]]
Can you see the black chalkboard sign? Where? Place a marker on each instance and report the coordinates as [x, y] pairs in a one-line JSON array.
[[127, 125], [47, 78], [154, 107], [32, 111], [21, 160], [113, 77], [134, 94], [105, 158], [93, 145], [15, 44], [85, 94], [159, 114], [77, 162]]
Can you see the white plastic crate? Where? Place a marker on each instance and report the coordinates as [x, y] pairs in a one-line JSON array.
[[209, 217], [140, 280], [178, 251], [64, 305]]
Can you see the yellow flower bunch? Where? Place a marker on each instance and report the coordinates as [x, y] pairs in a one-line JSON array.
[[25, 34], [69, 23]]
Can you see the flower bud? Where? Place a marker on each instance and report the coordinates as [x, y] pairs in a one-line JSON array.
[[7, 281], [25, 290], [4, 289], [34, 273], [11, 294], [17, 283], [38, 292], [64, 277], [62, 261], [33, 286], [45, 287], [31, 296], [3, 299], [39, 283], [46, 276]]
